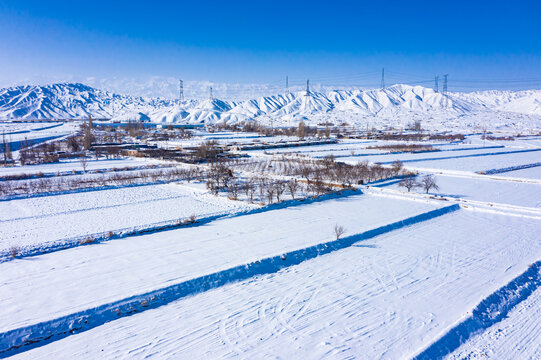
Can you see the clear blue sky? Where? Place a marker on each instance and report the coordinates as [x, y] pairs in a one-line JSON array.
[[490, 43]]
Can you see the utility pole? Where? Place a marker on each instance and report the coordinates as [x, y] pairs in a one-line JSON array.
[[181, 91], [436, 84], [307, 88], [382, 78]]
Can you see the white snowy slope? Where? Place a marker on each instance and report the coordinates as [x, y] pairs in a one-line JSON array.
[[71, 101], [400, 103]]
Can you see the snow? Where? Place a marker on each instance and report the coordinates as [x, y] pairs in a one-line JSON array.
[[394, 106], [10, 128], [44, 220], [75, 165], [415, 157], [487, 190], [273, 281], [381, 298], [516, 337], [80, 278], [472, 163], [530, 173]]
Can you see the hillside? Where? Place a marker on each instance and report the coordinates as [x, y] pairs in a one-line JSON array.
[[398, 103]]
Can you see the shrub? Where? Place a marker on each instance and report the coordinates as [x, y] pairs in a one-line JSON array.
[[14, 251], [88, 240]]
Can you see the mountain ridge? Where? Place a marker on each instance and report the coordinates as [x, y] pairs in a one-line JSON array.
[[78, 101]]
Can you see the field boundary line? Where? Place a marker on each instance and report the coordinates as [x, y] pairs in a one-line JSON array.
[[31, 336]]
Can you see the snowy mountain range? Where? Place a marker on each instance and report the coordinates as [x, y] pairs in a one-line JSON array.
[[78, 101]]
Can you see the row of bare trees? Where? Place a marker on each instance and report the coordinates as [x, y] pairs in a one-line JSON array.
[[262, 188], [65, 183], [426, 183], [315, 177], [301, 131], [40, 154], [326, 169]]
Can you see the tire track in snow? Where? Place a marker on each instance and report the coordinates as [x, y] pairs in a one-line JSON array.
[[26, 338]]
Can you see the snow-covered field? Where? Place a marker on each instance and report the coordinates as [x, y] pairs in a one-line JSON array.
[[35, 133], [149, 262], [44, 220], [381, 298], [516, 337], [487, 190], [530, 173], [470, 163], [250, 281], [9, 128], [75, 165]]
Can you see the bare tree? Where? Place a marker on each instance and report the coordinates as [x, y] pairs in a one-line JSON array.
[[270, 193], [73, 144], [189, 174], [428, 182], [88, 137], [4, 146], [339, 230], [84, 163], [279, 187], [301, 131], [208, 150], [409, 183], [397, 166], [328, 161], [262, 187], [211, 185], [221, 174], [292, 186], [234, 191], [249, 189]]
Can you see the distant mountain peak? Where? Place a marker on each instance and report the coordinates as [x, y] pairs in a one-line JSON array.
[[78, 101]]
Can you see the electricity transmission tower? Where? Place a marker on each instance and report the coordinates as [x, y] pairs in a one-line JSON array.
[[436, 84], [444, 90], [181, 91], [287, 85], [307, 88], [382, 78], [211, 95], [445, 84]]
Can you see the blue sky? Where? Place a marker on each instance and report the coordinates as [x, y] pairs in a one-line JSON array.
[[480, 44]]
